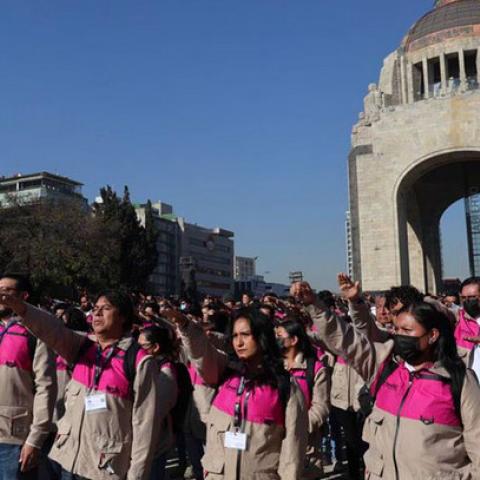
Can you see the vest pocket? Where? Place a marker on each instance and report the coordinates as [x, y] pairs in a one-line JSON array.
[[374, 464], [15, 421], [110, 459], [214, 459], [63, 434]]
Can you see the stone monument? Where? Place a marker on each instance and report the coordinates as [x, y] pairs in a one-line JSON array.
[[416, 149]]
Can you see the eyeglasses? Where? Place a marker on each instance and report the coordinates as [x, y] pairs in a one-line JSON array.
[[469, 297]]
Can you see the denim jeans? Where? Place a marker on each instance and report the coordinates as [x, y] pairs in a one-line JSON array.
[[70, 476], [9, 466]]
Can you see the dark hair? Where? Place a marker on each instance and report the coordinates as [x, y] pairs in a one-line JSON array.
[[76, 320], [22, 281], [445, 348], [154, 306], [296, 329], [405, 294], [327, 297], [470, 281], [165, 338], [273, 372], [123, 302], [61, 306]]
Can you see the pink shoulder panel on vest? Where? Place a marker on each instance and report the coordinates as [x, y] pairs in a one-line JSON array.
[[429, 399], [341, 361], [264, 405], [300, 375], [466, 328], [14, 349], [195, 376], [61, 364], [112, 381]]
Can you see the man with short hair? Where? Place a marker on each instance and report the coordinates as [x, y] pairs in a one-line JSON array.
[[28, 389], [467, 330]]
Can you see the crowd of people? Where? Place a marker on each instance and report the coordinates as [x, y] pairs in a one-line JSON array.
[[375, 386]]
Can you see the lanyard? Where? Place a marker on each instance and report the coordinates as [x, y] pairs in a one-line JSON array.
[[100, 366], [10, 324], [237, 420]]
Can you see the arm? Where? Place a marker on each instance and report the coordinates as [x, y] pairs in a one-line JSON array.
[[294, 445], [45, 382], [148, 405], [343, 339], [52, 332], [470, 408], [320, 407], [364, 322], [209, 362]]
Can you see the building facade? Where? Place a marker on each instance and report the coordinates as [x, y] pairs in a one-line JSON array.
[[36, 187], [208, 254], [165, 279], [472, 211], [245, 268], [416, 149]]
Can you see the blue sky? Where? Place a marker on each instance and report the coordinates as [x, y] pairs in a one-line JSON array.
[[237, 112]]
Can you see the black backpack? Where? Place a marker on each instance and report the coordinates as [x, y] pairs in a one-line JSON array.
[[366, 398]]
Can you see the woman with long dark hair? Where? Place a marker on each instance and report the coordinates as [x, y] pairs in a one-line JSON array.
[[425, 418], [306, 364], [258, 425]]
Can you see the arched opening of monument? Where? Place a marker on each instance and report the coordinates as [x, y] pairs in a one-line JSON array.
[[454, 242], [425, 192]]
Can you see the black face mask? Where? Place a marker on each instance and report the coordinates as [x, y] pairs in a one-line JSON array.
[[281, 344], [472, 307], [407, 347]]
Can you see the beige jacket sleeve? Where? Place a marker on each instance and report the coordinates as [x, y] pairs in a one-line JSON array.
[[294, 445], [364, 321], [149, 411], [341, 338], [45, 381], [53, 333], [320, 407], [470, 409], [209, 362]]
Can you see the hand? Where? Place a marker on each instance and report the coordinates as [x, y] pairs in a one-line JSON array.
[[472, 339], [350, 290], [29, 457], [176, 317], [13, 302], [303, 293]]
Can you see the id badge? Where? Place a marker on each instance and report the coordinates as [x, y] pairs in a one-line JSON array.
[[236, 440], [95, 402]]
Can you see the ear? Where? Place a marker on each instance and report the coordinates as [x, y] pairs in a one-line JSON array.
[[156, 349], [294, 340], [25, 296], [433, 336]]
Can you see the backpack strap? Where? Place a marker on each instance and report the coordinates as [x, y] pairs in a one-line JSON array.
[[130, 363], [389, 368], [310, 374], [32, 345]]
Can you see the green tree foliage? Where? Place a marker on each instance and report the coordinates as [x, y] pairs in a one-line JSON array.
[[60, 245], [67, 248], [137, 254]]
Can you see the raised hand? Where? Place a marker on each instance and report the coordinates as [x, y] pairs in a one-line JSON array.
[[303, 293], [350, 290]]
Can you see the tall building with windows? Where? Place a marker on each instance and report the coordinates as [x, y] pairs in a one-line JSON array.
[[36, 187], [165, 279], [245, 268], [472, 211], [209, 253]]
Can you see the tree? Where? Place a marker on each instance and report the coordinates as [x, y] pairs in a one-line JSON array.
[[61, 246], [137, 254]]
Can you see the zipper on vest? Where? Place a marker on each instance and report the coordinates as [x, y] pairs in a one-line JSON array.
[[242, 430], [395, 438]]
